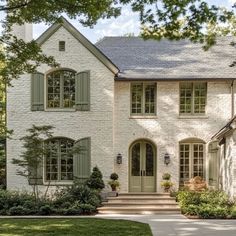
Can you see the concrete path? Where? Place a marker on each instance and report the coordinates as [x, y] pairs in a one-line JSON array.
[[172, 225]]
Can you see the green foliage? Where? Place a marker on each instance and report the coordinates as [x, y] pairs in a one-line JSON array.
[[114, 176], [206, 204], [75, 200], [233, 212], [32, 158], [46, 210], [166, 176], [95, 180], [18, 210]]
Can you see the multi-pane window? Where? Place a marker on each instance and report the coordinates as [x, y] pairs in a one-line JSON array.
[[59, 160], [143, 98], [191, 161], [193, 98], [61, 89]]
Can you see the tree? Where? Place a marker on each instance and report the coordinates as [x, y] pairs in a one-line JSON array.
[[31, 160]]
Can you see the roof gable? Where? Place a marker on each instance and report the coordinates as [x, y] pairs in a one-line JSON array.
[[82, 39]]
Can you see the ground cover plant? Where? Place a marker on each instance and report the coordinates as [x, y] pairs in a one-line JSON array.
[[82, 226], [206, 204]]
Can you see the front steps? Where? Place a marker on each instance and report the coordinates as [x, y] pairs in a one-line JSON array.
[[140, 203]]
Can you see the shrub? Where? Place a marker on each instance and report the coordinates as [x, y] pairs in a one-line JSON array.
[[166, 176], [95, 180], [206, 204], [190, 210], [87, 208], [114, 176], [233, 212], [18, 210], [74, 210], [46, 210]]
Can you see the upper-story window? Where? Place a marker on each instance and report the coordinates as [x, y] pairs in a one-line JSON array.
[[61, 89], [143, 99], [193, 98]]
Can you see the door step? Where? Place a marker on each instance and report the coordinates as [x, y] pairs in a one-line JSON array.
[[140, 203]]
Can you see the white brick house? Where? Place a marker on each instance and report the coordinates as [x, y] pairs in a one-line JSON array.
[[145, 100]]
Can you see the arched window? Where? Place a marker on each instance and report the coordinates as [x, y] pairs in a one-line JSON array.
[[59, 159], [192, 161], [61, 89]]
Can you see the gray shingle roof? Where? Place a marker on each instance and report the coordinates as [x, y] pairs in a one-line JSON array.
[[166, 59]]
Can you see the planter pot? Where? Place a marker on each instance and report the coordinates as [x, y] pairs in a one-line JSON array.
[[112, 194]]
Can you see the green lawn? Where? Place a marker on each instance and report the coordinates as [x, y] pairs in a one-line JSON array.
[[77, 227]]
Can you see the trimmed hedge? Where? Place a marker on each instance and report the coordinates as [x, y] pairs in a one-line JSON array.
[[207, 204]]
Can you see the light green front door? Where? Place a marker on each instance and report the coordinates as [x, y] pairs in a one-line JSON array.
[[142, 167]]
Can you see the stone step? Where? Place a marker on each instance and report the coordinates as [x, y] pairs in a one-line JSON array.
[[144, 194], [141, 205], [138, 210], [141, 198], [140, 201]]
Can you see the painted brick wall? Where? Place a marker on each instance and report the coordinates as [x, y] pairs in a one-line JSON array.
[[97, 123], [167, 129]]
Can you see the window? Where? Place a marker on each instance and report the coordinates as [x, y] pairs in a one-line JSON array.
[[143, 98], [62, 45], [59, 160], [61, 89], [191, 161], [193, 98]]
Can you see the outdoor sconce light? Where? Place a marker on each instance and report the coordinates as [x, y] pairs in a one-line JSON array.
[[167, 159], [119, 159]]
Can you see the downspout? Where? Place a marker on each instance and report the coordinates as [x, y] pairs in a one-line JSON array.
[[232, 99]]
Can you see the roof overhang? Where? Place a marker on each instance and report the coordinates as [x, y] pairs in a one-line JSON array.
[[62, 22]]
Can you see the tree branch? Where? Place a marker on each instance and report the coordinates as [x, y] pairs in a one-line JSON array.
[[9, 8]]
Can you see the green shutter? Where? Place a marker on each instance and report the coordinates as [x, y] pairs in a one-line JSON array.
[[82, 159], [82, 94], [37, 92], [36, 175]]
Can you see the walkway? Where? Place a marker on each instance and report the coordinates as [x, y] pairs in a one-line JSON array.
[[172, 225]]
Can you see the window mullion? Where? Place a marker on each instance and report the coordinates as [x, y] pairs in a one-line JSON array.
[[61, 90], [192, 102], [143, 99]]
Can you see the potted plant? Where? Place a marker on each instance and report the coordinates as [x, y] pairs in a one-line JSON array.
[[114, 183], [166, 176], [166, 183]]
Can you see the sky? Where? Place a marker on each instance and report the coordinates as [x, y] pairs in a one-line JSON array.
[[128, 22]]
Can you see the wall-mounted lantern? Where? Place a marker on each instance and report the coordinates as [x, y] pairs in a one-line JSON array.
[[119, 159], [167, 159]]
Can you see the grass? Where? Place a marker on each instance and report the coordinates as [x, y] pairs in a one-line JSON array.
[[72, 227]]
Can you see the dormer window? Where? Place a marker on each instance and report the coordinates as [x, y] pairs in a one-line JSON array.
[[62, 46]]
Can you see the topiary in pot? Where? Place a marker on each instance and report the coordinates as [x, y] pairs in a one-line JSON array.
[[114, 183], [166, 176], [166, 185]]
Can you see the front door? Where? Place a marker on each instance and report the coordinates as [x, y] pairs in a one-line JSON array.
[[142, 167]]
